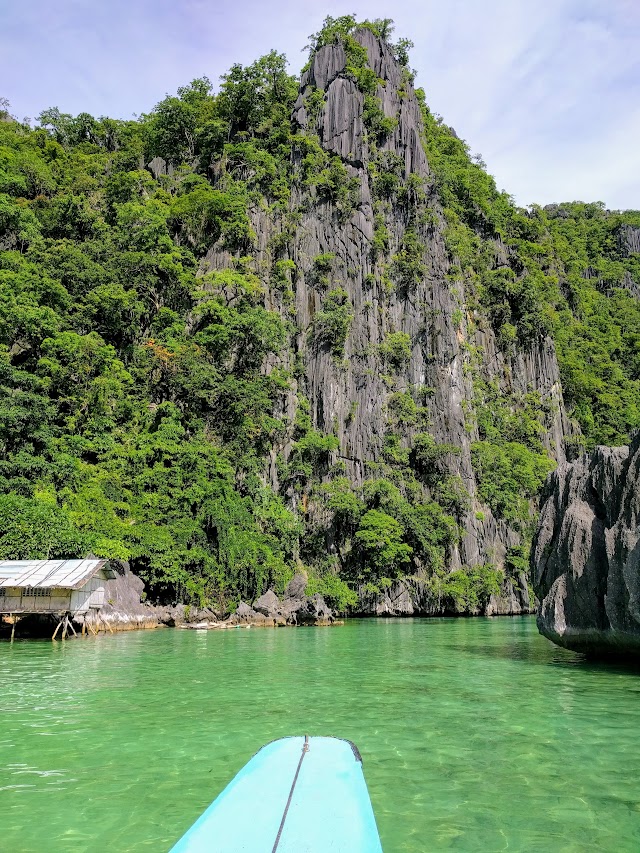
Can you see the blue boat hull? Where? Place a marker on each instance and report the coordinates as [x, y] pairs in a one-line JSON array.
[[296, 795]]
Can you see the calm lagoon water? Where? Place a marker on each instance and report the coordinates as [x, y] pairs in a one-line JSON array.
[[476, 734]]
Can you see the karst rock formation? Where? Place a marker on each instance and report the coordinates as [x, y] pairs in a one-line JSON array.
[[349, 394], [586, 554]]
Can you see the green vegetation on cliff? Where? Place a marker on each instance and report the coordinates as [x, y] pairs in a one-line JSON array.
[[569, 274], [143, 394]]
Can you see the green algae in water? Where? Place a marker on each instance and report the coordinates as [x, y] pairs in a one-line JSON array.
[[477, 734]]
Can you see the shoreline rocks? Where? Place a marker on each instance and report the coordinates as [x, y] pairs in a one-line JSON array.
[[267, 611], [296, 608], [412, 597], [124, 609], [586, 553]]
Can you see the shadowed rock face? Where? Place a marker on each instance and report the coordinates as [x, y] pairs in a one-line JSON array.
[[586, 553], [629, 240]]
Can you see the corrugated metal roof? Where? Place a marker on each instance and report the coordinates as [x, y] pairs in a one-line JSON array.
[[68, 574]]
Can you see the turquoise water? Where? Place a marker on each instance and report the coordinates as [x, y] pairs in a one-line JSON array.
[[476, 734]]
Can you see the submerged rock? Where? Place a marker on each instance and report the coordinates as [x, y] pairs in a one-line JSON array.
[[586, 553]]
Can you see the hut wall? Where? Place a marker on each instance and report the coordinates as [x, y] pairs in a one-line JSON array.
[[29, 600], [91, 596], [38, 599]]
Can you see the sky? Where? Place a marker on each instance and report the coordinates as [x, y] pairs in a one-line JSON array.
[[546, 91]]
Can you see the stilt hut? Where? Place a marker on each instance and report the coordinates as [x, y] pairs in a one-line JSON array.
[[68, 588]]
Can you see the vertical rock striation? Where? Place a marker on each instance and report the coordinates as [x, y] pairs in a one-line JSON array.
[[586, 554], [349, 394]]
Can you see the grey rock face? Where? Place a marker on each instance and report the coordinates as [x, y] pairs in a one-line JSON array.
[[586, 553], [350, 396], [268, 604], [629, 240], [313, 611], [412, 597], [295, 609], [327, 63], [157, 167], [405, 597], [244, 611], [342, 131], [123, 609], [300, 609], [296, 587], [514, 598]]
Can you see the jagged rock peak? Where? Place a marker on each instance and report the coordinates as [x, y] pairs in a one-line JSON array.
[[366, 239], [340, 123], [586, 553], [629, 240]]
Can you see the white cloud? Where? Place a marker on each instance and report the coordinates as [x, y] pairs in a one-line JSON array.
[[547, 90]]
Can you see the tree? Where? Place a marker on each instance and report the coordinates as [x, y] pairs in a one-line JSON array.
[[332, 324], [35, 530], [250, 95], [5, 107], [173, 132], [380, 538]]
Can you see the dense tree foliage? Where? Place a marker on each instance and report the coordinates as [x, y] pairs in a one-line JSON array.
[[570, 274], [134, 413], [138, 416]]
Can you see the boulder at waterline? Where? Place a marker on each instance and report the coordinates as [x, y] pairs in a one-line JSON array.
[[586, 553], [296, 608], [415, 597]]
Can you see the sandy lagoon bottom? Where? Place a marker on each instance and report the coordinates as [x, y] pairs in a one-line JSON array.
[[476, 734]]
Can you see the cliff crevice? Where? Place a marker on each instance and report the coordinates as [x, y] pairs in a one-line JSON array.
[[586, 553], [387, 254]]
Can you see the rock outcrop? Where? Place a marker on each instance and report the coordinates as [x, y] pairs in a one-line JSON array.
[[295, 608], [413, 597], [350, 396], [629, 240], [514, 598], [124, 609], [586, 553]]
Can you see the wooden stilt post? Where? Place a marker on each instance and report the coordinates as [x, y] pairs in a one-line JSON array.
[[13, 626], [70, 621], [83, 629], [57, 629]]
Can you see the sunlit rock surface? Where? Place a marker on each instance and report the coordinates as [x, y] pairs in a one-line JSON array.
[[586, 553]]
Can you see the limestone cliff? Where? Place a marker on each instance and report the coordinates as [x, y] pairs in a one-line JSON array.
[[360, 250], [586, 554]]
